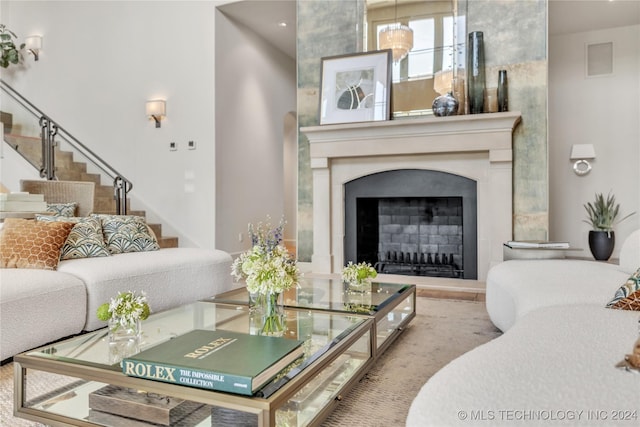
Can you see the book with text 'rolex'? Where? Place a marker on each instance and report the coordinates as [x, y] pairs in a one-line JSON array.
[[215, 360]]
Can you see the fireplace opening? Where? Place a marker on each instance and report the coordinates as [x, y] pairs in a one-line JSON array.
[[414, 236], [413, 222]]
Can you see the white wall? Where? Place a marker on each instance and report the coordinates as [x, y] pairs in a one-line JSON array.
[[255, 93], [603, 111], [13, 164], [102, 60]]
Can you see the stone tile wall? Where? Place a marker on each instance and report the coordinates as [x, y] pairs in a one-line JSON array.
[[426, 226]]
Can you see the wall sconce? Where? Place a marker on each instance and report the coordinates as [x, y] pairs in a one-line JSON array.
[[156, 109], [33, 44], [581, 153]]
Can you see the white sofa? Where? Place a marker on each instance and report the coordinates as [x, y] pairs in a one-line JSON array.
[[41, 306], [555, 362]]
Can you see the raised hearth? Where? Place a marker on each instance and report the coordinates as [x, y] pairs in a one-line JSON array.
[[478, 147]]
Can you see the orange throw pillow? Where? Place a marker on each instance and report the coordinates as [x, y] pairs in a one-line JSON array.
[[32, 244]]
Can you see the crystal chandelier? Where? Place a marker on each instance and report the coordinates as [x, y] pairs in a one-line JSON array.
[[398, 38]]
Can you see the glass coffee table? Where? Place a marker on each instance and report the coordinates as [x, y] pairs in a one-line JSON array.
[[56, 384], [390, 305], [65, 383]]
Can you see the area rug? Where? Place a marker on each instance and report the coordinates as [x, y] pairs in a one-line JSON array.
[[441, 331]]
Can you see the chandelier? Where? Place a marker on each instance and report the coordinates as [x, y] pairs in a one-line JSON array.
[[398, 38]]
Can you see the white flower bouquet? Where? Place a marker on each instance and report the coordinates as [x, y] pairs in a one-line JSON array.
[[127, 308], [268, 270], [358, 276]]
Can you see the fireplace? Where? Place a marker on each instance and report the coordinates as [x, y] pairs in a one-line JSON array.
[[475, 149], [413, 222]]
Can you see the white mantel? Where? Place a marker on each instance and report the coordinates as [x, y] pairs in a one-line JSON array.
[[477, 146]]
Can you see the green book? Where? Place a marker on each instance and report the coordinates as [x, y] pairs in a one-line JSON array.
[[215, 360]]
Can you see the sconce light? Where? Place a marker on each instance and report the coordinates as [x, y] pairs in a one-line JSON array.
[[581, 153], [33, 44], [156, 109]]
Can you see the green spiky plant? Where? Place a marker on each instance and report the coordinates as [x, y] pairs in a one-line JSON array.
[[10, 53], [603, 213]]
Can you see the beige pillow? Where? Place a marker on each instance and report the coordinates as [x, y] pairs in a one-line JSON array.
[[32, 244]]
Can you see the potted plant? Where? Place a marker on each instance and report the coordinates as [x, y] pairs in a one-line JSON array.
[[602, 215], [10, 53]]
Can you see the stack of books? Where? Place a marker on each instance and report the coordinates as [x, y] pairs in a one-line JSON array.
[[527, 244], [22, 202], [534, 250], [214, 360]]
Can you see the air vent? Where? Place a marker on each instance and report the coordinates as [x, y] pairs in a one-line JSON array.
[[599, 59]]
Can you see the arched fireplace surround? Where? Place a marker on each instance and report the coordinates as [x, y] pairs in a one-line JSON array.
[[477, 147]]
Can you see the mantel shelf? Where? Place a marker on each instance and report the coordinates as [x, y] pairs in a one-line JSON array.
[[468, 133], [423, 125]]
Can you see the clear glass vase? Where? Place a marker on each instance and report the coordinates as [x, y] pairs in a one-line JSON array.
[[360, 286], [273, 317], [124, 339]]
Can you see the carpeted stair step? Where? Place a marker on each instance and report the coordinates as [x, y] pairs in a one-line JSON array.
[[167, 242], [67, 169]]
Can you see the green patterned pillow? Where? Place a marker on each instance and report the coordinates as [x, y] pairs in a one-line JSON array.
[[127, 233], [62, 209], [85, 239], [627, 297]]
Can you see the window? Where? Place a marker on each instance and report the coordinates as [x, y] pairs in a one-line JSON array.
[[433, 48]]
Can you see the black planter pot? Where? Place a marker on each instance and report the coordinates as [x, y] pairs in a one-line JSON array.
[[601, 244]]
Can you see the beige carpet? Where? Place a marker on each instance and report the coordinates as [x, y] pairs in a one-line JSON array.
[[441, 331]]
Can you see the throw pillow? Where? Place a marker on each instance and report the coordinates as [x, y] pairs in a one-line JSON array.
[[627, 297], [62, 209], [85, 239], [127, 233], [32, 244]]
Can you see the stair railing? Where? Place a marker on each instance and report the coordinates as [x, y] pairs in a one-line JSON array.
[[50, 131]]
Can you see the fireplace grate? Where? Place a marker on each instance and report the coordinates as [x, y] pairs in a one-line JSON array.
[[418, 264]]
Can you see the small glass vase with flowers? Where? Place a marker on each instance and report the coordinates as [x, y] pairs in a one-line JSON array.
[[358, 277], [124, 315]]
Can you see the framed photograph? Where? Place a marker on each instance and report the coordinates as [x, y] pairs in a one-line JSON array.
[[356, 88]]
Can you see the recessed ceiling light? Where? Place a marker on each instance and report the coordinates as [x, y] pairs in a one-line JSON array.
[[282, 24]]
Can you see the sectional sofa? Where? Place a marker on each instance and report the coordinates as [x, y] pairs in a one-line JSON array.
[[57, 282], [56, 272], [40, 306], [557, 361]]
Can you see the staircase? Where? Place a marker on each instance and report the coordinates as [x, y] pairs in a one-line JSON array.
[[67, 169]]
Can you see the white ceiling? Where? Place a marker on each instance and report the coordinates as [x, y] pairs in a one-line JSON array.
[[263, 17], [575, 16], [565, 16]]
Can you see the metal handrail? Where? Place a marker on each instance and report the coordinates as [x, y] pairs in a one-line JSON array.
[[49, 130]]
